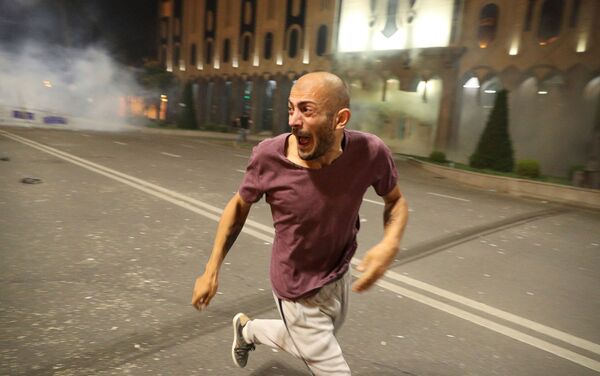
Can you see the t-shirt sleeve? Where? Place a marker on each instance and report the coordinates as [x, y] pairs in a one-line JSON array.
[[386, 175], [250, 190]]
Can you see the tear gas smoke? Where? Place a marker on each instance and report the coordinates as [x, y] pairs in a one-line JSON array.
[[84, 85]]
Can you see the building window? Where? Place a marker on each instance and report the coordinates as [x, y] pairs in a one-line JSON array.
[[293, 43], [529, 15], [193, 55], [575, 13], [176, 55], [164, 28], [246, 47], [247, 13], [488, 22], [226, 50], [295, 8], [550, 20], [268, 51], [210, 21], [208, 52], [322, 40]]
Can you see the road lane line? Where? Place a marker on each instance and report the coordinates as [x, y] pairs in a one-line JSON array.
[[374, 202], [450, 197], [241, 156], [242, 171], [83, 162], [120, 143], [170, 155], [255, 228], [498, 328], [535, 326]]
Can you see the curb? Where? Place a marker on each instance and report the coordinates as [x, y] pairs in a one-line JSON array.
[[582, 197]]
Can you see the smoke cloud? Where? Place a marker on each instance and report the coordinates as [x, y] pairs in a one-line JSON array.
[[83, 85]]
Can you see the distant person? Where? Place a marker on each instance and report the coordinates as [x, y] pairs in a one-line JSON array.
[[314, 179], [244, 123]]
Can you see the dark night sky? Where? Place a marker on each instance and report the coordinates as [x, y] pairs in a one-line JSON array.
[[126, 28]]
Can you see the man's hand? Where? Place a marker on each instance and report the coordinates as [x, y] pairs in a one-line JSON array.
[[205, 289], [373, 266]]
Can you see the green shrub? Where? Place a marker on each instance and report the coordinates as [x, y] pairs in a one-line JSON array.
[[494, 150], [528, 168], [437, 156]]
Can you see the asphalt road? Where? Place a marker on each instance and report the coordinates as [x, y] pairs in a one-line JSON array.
[[97, 263]]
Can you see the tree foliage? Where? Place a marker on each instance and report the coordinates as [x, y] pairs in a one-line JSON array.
[[494, 150]]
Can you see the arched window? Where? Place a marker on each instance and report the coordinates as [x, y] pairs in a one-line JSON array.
[[246, 47], [226, 50], [208, 52], [550, 20], [268, 51], [293, 43], [193, 55], [488, 23], [322, 40]]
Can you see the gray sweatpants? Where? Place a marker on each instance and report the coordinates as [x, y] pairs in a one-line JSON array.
[[307, 329]]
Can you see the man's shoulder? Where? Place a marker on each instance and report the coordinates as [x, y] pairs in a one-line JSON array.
[[366, 140], [271, 146]]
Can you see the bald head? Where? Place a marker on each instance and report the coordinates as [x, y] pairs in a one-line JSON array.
[[327, 87]]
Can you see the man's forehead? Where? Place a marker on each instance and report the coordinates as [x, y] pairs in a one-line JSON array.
[[307, 93]]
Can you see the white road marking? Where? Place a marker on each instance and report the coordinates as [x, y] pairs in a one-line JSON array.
[[551, 332], [120, 143], [498, 328], [450, 197], [374, 202], [255, 228], [241, 156], [170, 155], [242, 171]]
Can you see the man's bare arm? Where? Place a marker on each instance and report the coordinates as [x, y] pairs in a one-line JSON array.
[[231, 224], [379, 258]]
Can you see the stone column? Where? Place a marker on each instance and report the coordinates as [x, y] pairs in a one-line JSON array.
[[446, 119]]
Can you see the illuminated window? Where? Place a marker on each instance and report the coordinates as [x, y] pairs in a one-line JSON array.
[[550, 20], [208, 52], [193, 55], [488, 22], [268, 51], [226, 50], [529, 15], [293, 43], [246, 47], [322, 40]]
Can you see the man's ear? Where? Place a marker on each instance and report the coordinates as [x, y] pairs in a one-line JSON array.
[[342, 118]]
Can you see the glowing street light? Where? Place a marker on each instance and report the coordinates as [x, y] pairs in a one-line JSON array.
[[47, 83]]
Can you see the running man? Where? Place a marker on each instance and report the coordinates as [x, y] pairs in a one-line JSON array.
[[314, 179]]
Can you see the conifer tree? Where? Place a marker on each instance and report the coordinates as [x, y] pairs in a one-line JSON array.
[[494, 150]]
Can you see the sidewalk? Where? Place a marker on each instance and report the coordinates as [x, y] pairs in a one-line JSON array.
[[564, 194], [581, 197]]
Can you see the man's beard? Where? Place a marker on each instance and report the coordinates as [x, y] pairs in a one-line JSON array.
[[323, 141]]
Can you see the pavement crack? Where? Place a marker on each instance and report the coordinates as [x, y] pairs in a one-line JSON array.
[[439, 244]]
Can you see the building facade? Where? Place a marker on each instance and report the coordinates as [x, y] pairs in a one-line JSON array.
[[422, 73]]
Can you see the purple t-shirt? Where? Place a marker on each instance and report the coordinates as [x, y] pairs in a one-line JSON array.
[[315, 211]]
